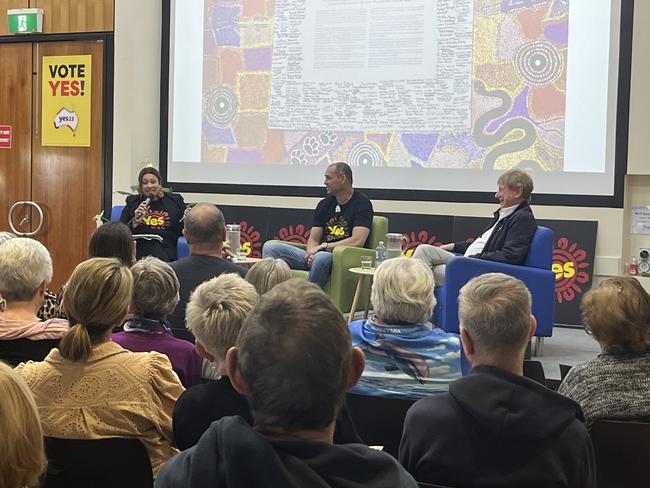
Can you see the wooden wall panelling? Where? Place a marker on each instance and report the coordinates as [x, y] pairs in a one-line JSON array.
[[16, 111], [76, 15], [7, 4], [67, 181]]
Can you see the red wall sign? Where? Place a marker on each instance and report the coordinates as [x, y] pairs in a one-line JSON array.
[[5, 137]]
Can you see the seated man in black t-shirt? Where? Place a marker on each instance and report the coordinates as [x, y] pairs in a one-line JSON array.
[[343, 218], [205, 231]]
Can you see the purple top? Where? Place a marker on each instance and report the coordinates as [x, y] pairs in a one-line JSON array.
[[182, 354]]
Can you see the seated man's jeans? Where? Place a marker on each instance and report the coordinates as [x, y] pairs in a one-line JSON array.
[[321, 265]]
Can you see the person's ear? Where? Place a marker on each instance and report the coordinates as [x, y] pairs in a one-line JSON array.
[[185, 235], [232, 370], [533, 327], [468, 345], [41, 289], [203, 353], [358, 363]]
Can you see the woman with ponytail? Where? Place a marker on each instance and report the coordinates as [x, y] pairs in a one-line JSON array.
[[92, 388]]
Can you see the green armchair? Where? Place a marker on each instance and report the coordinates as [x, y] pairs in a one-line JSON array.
[[342, 284]]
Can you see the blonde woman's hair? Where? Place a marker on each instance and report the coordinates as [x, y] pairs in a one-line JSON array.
[[22, 452], [402, 291], [216, 311], [96, 299], [155, 288], [25, 264], [267, 273], [617, 313]]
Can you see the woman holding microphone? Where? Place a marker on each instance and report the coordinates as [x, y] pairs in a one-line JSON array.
[[155, 212]]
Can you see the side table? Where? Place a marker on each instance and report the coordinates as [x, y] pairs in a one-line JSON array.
[[363, 273]]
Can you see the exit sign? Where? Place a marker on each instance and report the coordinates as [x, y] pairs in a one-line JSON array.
[[25, 20]]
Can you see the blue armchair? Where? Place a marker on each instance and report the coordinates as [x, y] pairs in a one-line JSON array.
[[535, 273], [182, 249]]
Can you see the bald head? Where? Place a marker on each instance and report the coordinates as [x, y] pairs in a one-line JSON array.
[[205, 226]]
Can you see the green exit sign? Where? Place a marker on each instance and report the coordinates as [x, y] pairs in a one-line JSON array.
[[25, 20]]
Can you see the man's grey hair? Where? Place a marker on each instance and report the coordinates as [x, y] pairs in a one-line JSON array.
[[402, 291], [25, 264], [216, 311], [495, 309], [516, 179], [155, 288], [205, 225], [343, 169]]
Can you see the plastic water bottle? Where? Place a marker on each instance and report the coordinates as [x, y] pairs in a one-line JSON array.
[[380, 254]]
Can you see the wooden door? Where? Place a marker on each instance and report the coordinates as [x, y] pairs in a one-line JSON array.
[[67, 181], [15, 112]]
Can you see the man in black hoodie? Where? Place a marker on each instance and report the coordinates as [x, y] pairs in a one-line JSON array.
[[495, 427], [294, 361]]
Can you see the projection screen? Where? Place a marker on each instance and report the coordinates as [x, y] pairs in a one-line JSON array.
[[425, 99]]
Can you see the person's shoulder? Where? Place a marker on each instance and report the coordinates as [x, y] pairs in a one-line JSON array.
[[154, 361], [183, 264], [176, 197], [579, 374], [230, 267], [131, 199], [325, 202], [524, 211], [433, 410], [197, 396], [379, 462], [360, 196]]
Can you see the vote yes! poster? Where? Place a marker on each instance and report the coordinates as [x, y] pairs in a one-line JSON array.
[[65, 108]]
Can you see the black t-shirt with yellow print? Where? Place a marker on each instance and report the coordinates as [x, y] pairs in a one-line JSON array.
[[162, 218], [337, 221]]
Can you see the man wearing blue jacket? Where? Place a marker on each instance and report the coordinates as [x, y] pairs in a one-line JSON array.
[[507, 238]]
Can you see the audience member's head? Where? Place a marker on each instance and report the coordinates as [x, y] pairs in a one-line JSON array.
[[25, 271], [21, 437], [267, 273], [155, 288], [515, 180], [495, 320], [294, 359], [5, 236], [402, 291], [617, 314], [216, 312], [97, 298], [205, 227], [113, 240]]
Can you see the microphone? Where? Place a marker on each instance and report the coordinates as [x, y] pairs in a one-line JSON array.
[[146, 201]]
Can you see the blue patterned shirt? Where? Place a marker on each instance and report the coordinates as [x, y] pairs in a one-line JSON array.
[[405, 361]]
